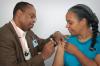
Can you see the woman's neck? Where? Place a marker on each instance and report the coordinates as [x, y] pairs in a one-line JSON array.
[[85, 35]]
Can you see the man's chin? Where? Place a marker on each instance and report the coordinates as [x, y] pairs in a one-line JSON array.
[[29, 28]]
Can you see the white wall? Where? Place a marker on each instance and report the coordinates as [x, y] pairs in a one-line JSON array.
[[50, 15]]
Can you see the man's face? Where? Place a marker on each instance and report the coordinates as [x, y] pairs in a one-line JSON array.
[[28, 18], [73, 23]]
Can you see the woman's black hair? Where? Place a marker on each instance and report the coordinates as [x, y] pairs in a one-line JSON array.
[[83, 11]]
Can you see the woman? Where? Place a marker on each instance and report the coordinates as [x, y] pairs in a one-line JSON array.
[[82, 46]]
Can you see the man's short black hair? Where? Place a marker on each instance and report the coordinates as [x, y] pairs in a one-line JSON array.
[[21, 6]]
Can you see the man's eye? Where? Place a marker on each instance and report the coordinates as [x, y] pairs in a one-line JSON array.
[[31, 16]]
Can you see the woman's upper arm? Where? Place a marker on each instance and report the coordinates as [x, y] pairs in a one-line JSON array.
[[97, 59]]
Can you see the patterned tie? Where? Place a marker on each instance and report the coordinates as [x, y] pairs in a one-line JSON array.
[[25, 48]]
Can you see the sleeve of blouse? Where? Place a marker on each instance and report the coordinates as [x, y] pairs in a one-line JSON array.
[[98, 45]]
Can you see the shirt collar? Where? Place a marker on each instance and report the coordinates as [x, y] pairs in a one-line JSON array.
[[18, 30]]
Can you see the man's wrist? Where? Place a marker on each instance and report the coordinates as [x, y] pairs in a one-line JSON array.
[[52, 37], [43, 57]]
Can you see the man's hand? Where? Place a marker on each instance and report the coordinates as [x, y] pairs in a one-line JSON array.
[[58, 36], [48, 49]]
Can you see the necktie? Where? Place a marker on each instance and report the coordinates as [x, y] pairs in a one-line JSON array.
[[26, 52]]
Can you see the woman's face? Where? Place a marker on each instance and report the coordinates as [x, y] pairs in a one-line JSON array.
[[74, 25]]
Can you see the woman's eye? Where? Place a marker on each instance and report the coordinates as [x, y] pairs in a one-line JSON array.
[[70, 23]]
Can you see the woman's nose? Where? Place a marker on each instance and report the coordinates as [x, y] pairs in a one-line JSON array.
[[34, 19], [67, 25]]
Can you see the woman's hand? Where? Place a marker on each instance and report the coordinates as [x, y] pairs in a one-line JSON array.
[[70, 48], [61, 46], [58, 60]]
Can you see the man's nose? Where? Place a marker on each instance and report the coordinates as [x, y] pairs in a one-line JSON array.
[[34, 20]]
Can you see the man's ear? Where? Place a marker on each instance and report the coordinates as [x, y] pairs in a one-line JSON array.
[[19, 13]]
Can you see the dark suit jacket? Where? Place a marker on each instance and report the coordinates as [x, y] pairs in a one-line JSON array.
[[10, 48]]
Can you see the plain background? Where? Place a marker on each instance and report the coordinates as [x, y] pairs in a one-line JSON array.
[[50, 15]]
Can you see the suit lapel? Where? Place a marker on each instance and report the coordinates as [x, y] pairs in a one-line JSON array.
[[19, 51], [14, 33]]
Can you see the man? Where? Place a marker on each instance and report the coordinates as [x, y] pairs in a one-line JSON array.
[[19, 46]]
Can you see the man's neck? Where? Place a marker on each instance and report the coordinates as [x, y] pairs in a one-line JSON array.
[[17, 22]]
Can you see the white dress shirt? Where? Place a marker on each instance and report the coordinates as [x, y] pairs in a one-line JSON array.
[[21, 34]]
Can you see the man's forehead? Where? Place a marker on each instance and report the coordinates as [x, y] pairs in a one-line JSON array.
[[30, 9]]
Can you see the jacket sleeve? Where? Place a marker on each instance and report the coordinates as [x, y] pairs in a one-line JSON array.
[[41, 41]]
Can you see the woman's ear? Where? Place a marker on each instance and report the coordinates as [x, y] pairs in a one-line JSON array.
[[83, 21]]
